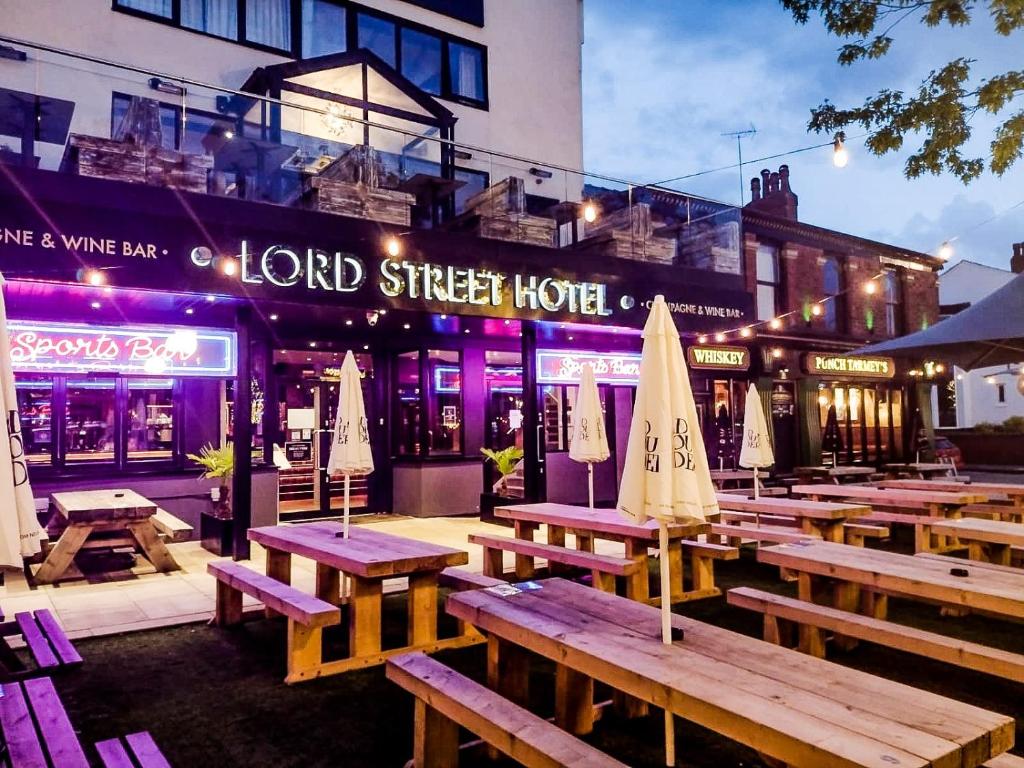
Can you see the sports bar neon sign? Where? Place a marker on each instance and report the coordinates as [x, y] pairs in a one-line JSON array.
[[563, 366], [65, 347]]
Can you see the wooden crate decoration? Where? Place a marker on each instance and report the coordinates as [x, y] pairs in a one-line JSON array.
[[519, 228], [126, 161], [508, 196], [361, 164], [347, 198], [622, 244]]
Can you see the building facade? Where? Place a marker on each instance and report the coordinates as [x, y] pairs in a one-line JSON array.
[[985, 395]]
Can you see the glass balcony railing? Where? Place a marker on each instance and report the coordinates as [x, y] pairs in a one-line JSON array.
[[341, 138]]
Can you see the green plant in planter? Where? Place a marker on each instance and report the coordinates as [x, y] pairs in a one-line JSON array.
[[218, 463], [505, 461]]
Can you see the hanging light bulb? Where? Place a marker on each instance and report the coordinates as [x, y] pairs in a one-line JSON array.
[[777, 353], [775, 324], [840, 157], [946, 251], [816, 310], [95, 277], [719, 337], [745, 332], [702, 339], [870, 287], [590, 213]]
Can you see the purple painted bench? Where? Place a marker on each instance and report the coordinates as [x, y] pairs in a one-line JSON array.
[[36, 728], [136, 750]]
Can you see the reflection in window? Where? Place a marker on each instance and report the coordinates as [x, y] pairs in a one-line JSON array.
[[215, 17], [832, 283], [378, 36], [35, 409], [89, 424], [269, 22], [421, 60], [156, 7], [444, 403], [150, 419], [893, 304], [767, 281], [323, 28], [407, 387], [466, 65]]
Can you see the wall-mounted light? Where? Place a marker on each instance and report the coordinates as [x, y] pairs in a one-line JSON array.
[[393, 246], [6, 52], [776, 353], [870, 287], [461, 154], [590, 213], [540, 173], [165, 86]]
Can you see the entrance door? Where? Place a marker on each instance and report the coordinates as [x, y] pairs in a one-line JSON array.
[[330, 491], [783, 404]]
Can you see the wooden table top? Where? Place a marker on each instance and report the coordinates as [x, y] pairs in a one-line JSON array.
[[920, 466], [799, 709], [606, 522], [835, 471], [978, 529], [823, 510], [367, 553], [107, 505], [732, 474], [999, 592], [1011, 490], [891, 495]]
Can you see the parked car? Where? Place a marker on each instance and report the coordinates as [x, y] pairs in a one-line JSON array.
[[945, 450]]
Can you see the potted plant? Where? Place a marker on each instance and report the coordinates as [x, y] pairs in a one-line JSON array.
[[506, 462], [215, 525]]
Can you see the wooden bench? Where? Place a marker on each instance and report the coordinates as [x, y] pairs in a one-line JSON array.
[[777, 534], [921, 523], [461, 579], [307, 615], [856, 533], [1004, 761], [136, 750], [36, 728], [446, 700], [170, 527], [812, 620], [49, 646], [603, 567]]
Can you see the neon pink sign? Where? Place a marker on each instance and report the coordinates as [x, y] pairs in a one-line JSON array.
[[65, 347], [563, 366]]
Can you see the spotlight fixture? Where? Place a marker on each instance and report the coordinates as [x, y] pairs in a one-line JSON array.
[[393, 246], [211, 298], [348, 322], [95, 277], [227, 265], [372, 318], [274, 316], [165, 86], [312, 345], [95, 305], [406, 326], [190, 311], [540, 173]]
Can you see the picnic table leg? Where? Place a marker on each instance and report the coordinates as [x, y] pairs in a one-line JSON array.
[[846, 597], [364, 624], [675, 569], [422, 608], [435, 738], [636, 585], [556, 537], [305, 650], [702, 571], [524, 563], [228, 610], [508, 673], [279, 567], [984, 552], [874, 604], [63, 553], [152, 547], [328, 584], [574, 700], [584, 543], [922, 538]]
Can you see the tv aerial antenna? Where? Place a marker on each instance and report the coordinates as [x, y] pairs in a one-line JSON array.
[[740, 136]]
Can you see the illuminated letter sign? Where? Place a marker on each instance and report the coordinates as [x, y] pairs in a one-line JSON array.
[[64, 347], [841, 365], [563, 366], [719, 358]]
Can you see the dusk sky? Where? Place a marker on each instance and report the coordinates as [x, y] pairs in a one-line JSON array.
[[664, 78]]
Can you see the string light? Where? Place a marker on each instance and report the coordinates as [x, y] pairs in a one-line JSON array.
[[870, 288], [946, 250], [590, 213], [702, 339], [840, 156], [745, 332], [775, 324], [777, 353], [816, 310], [719, 337], [95, 277]]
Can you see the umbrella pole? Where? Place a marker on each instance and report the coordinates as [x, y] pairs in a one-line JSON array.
[[590, 483], [347, 488], [755, 483], [666, 632]]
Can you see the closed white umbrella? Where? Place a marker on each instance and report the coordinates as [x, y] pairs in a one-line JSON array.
[[589, 443], [20, 533], [666, 474], [350, 446], [757, 443]]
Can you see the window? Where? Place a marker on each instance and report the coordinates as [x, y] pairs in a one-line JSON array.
[[421, 60], [466, 71], [150, 420], [323, 28], [89, 421], [444, 402], [378, 36], [407, 389], [834, 316], [893, 304], [215, 17], [767, 281], [162, 8], [1001, 394], [269, 23], [35, 410]]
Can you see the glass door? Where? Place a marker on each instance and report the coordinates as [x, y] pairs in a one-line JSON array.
[[504, 412]]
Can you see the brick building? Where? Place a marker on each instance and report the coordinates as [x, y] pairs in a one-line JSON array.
[[820, 294]]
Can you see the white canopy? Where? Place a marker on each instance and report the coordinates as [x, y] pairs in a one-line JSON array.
[[589, 442], [350, 446], [757, 443]]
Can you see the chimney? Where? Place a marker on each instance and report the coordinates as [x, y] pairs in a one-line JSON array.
[[772, 194], [1017, 260]]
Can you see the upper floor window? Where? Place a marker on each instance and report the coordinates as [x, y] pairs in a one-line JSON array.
[[893, 304], [438, 63], [767, 281], [834, 315]]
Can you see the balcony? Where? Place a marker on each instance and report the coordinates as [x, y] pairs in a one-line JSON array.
[[343, 134]]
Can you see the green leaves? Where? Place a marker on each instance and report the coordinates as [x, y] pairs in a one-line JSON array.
[[943, 105]]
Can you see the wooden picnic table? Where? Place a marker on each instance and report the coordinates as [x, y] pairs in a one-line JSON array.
[[102, 518], [816, 517], [738, 477], [936, 503], [989, 541], [795, 708], [826, 570], [923, 469], [588, 524], [835, 474], [367, 557], [1013, 492]]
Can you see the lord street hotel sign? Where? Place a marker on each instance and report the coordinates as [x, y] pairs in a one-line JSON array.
[[824, 364], [52, 226]]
